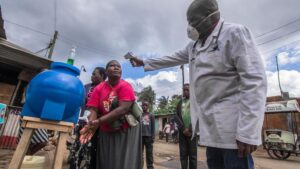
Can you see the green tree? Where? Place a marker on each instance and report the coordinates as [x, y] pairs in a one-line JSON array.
[[173, 103], [162, 102], [162, 105], [166, 106], [147, 94]]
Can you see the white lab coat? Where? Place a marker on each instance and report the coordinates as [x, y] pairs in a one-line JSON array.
[[227, 86]]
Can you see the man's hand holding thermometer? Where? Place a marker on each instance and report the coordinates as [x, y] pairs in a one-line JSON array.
[[135, 62]]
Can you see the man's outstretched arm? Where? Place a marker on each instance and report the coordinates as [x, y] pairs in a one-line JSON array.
[[178, 58]]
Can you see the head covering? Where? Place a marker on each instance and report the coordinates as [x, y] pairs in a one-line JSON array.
[[203, 15]]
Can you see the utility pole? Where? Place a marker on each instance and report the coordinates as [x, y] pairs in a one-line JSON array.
[[52, 44], [284, 96], [182, 70]]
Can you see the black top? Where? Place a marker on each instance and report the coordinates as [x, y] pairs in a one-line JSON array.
[[148, 125]]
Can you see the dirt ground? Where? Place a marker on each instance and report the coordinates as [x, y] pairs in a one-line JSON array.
[[166, 156], [261, 158]]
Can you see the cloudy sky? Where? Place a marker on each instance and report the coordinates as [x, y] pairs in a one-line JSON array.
[[106, 29]]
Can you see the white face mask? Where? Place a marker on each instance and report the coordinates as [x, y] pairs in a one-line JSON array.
[[192, 33]]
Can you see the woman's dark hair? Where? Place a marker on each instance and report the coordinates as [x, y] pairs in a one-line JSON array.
[[102, 72], [107, 65]]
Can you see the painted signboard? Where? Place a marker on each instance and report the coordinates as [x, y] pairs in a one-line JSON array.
[[2, 112], [282, 106]]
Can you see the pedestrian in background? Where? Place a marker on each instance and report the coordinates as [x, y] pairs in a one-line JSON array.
[[187, 144], [148, 133], [167, 131]]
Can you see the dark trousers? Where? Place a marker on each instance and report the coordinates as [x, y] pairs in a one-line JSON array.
[[167, 137], [93, 152], [147, 142], [218, 158], [188, 151]]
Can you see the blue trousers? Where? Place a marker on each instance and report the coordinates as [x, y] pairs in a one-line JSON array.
[[218, 158]]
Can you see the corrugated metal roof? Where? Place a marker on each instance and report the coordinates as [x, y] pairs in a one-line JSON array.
[[13, 54]]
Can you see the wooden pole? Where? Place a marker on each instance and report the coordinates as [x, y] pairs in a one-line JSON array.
[[22, 147], [12, 101], [182, 70], [52, 44]]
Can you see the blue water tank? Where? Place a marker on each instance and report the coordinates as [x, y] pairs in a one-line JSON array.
[[55, 94]]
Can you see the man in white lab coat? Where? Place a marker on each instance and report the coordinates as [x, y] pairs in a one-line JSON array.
[[227, 85]]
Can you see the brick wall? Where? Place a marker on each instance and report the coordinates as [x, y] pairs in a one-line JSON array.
[[6, 92], [279, 121]]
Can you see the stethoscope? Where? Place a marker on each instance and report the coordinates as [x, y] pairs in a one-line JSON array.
[[215, 48]]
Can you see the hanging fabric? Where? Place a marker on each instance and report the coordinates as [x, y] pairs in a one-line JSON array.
[[11, 130]]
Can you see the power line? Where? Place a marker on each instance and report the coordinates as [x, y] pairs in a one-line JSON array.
[[88, 48], [25, 27], [263, 34], [46, 52], [52, 44], [63, 38], [97, 51], [268, 41], [267, 51], [55, 13], [42, 50]]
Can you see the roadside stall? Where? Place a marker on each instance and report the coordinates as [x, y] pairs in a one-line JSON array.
[[281, 139]]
